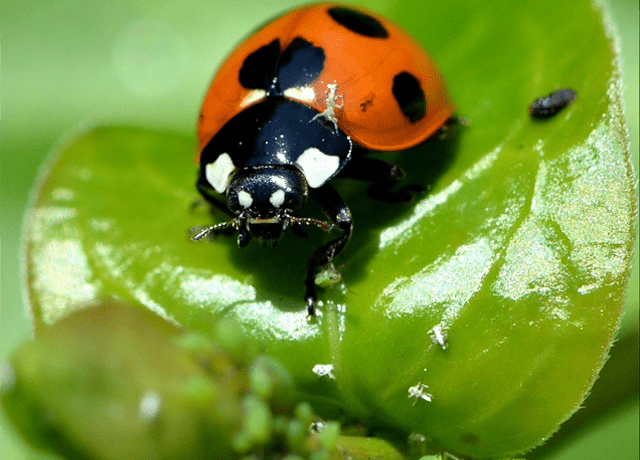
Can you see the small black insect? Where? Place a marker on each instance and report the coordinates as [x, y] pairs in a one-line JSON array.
[[548, 106]]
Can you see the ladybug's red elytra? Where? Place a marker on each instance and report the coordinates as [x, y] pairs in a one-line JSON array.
[[301, 101]]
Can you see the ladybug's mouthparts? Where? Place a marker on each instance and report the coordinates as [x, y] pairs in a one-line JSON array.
[[268, 220], [267, 229]]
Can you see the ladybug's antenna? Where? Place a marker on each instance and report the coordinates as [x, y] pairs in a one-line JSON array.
[[326, 226], [205, 231]]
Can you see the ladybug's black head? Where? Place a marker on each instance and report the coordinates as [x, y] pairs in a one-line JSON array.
[[265, 197]]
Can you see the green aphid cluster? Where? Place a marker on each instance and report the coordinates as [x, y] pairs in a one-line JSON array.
[[115, 382]]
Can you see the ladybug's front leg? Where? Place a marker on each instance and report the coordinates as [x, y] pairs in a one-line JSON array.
[[339, 214]]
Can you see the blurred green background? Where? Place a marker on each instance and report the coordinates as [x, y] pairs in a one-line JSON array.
[[71, 64]]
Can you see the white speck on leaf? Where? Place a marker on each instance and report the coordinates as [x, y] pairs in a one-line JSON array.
[[322, 370]]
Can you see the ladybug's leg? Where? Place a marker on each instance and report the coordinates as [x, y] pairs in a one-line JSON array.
[[339, 214], [384, 176]]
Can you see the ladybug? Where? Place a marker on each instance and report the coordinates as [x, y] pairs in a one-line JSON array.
[[301, 101]]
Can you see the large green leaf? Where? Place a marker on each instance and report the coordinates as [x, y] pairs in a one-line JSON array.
[[520, 251]]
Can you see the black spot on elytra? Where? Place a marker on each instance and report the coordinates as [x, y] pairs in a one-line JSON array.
[[358, 22], [274, 71], [300, 64], [410, 97], [258, 68]]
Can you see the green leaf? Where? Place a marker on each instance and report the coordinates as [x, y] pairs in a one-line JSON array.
[[519, 253]]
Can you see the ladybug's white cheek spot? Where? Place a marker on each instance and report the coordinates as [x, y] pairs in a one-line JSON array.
[[245, 199], [277, 198], [317, 166], [219, 172]]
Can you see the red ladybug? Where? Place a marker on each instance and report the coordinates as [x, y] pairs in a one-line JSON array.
[[303, 100]]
